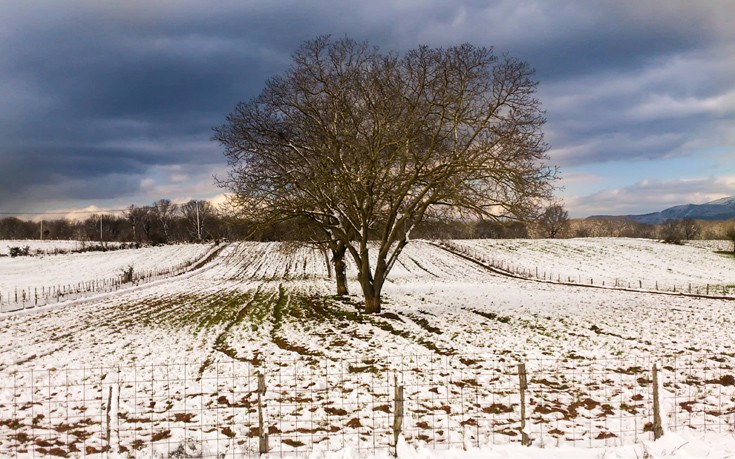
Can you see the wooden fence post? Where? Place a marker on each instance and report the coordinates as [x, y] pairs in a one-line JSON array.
[[658, 430], [262, 428], [397, 415], [108, 421], [525, 440]]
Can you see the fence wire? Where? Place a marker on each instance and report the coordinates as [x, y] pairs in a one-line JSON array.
[[31, 297], [696, 289], [293, 408]]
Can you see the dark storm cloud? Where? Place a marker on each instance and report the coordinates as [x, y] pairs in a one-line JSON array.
[[620, 80], [102, 93], [647, 90], [92, 98], [76, 173]]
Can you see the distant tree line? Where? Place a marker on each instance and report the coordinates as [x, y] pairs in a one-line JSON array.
[[159, 223], [199, 220], [670, 231], [545, 227]]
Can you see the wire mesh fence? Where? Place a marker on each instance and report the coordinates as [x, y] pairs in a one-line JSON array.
[[293, 408]]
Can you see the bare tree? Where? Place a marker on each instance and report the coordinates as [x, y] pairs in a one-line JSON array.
[[147, 219], [676, 230], [92, 227], [554, 220], [690, 229], [368, 145], [164, 211], [198, 215], [139, 219], [671, 232]]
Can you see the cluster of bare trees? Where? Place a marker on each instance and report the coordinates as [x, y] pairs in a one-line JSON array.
[[159, 223], [675, 231], [367, 146], [164, 221], [670, 230]]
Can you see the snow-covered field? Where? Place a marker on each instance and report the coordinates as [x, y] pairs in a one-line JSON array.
[[635, 263], [173, 365], [714, 245], [37, 273]]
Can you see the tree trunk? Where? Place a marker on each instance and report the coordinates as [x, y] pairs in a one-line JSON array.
[[340, 268], [371, 291], [327, 261], [372, 304], [340, 273], [370, 288]]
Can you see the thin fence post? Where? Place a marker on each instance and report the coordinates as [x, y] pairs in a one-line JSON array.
[[108, 421], [525, 440], [397, 415], [262, 429], [658, 430]]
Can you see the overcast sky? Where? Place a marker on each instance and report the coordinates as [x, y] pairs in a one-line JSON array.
[[104, 104]]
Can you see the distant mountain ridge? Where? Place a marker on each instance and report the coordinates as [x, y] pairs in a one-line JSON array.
[[720, 209]]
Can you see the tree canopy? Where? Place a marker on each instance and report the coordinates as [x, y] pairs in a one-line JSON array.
[[554, 220], [368, 144]]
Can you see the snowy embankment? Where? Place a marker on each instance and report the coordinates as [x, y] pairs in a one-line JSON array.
[[173, 366], [55, 270], [35, 245]]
